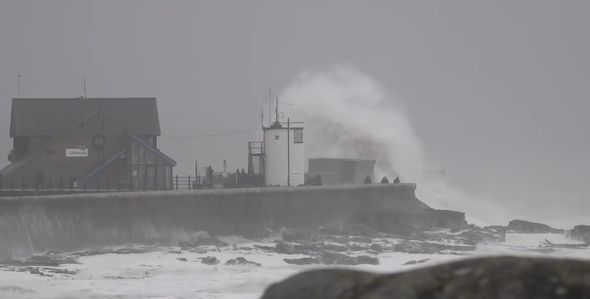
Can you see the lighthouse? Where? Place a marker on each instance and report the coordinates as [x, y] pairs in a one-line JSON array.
[[284, 160], [284, 154]]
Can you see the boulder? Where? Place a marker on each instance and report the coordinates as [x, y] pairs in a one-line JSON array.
[[481, 278], [241, 261], [209, 260], [527, 227], [334, 258], [581, 233], [415, 262]]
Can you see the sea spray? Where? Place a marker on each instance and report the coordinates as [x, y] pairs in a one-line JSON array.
[[347, 114]]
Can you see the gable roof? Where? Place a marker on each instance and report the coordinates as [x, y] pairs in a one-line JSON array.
[[154, 150], [48, 116]]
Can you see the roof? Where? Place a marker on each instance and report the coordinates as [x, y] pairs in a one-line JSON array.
[[48, 116], [154, 150]]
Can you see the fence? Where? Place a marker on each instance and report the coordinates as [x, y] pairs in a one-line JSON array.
[[34, 184]]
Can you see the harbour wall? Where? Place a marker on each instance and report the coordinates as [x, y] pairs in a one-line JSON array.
[[69, 222]]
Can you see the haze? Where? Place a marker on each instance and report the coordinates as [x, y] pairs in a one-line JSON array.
[[497, 91]]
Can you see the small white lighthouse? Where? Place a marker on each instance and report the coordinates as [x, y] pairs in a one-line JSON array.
[[284, 154], [284, 160]]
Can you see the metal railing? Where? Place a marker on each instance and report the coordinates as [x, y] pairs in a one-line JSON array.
[[34, 184]]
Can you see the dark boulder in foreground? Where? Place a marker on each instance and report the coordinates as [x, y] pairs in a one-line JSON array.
[[527, 227], [581, 233], [482, 278]]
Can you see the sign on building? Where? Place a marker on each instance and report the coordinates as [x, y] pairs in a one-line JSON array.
[[76, 152]]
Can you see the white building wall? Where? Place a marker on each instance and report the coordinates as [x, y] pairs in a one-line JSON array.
[[275, 149]]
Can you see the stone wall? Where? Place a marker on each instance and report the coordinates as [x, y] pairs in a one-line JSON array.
[[68, 222]]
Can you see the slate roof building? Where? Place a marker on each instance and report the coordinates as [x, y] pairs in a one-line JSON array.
[[77, 141]]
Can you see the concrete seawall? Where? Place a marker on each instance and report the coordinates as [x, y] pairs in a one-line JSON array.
[[69, 222]]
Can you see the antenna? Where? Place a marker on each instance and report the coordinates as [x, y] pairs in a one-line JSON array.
[[18, 86], [277, 110], [84, 85], [269, 105]]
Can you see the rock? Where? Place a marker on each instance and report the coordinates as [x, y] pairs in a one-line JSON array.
[[331, 247], [265, 248], [333, 258], [241, 261], [319, 284], [209, 260], [376, 247], [62, 271], [581, 233], [288, 248], [356, 247], [49, 259], [477, 235], [527, 227], [124, 250], [482, 278], [367, 260], [429, 247], [182, 259], [414, 262], [302, 261]]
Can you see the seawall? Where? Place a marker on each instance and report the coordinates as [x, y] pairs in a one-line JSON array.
[[68, 222]]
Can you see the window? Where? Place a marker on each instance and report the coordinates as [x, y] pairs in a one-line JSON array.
[[298, 135]]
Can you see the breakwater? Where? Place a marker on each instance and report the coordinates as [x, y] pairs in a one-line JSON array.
[[69, 222]]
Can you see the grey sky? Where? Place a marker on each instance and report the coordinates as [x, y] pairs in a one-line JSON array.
[[497, 90]]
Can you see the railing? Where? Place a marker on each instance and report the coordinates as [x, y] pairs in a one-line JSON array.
[[35, 184]]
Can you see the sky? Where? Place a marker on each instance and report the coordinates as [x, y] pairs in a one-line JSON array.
[[496, 91]]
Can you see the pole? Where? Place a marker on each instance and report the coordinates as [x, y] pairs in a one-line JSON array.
[[288, 152], [269, 105], [196, 172], [277, 110], [84, 85]]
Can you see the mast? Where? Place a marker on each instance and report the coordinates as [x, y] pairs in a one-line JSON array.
[[277, 110]]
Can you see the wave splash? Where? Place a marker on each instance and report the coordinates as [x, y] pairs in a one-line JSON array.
[[347, 114]]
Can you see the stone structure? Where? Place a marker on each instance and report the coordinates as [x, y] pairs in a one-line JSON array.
[[67, 222]]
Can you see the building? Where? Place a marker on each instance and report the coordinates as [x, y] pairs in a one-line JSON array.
[[79, 142], [284, 161], [337, 171]]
